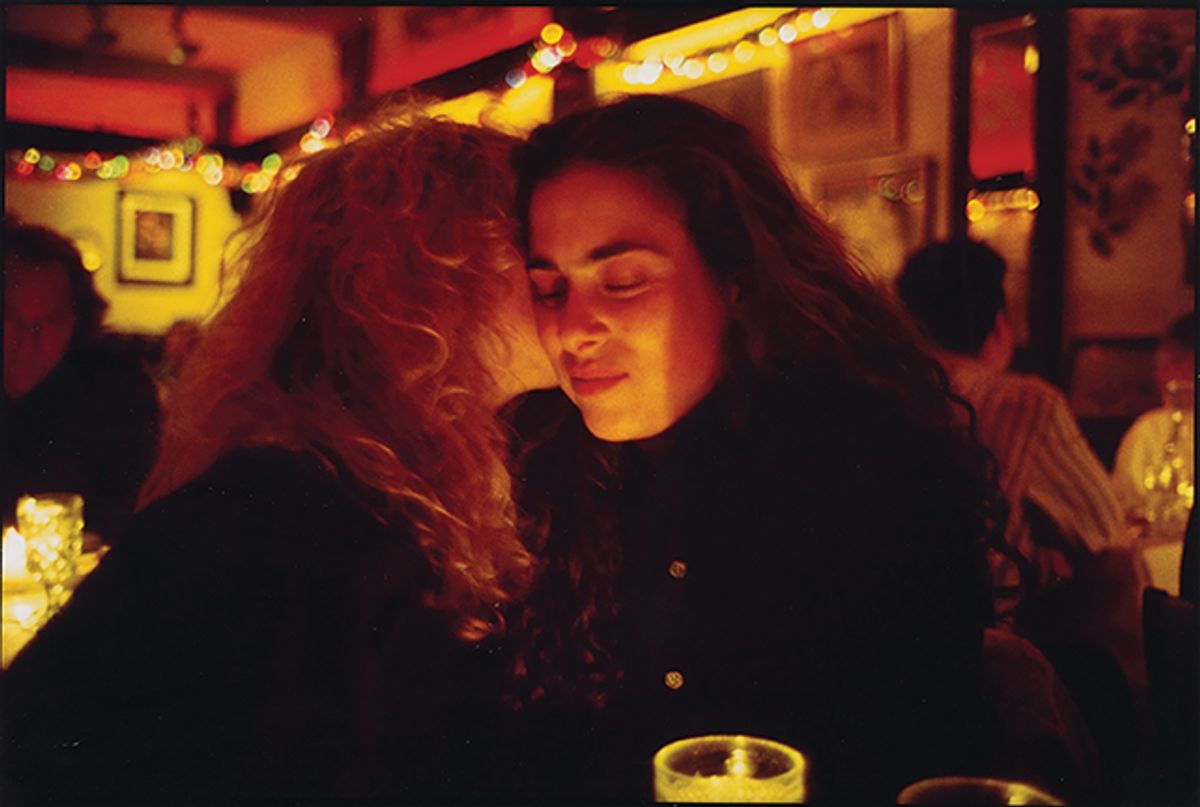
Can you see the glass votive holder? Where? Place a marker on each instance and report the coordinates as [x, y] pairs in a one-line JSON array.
[[969, 790], [52, 526], [729, 768]]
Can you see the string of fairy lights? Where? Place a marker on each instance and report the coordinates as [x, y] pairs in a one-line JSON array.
[[554, 48]]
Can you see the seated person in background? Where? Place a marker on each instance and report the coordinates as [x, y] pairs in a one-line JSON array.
[[1158, 453], [79, 415], [328, 532], [955, 292]]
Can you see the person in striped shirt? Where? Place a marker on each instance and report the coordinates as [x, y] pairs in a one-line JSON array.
[[1062, 507]]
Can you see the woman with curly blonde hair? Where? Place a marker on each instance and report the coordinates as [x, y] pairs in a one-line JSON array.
[[328, 531]]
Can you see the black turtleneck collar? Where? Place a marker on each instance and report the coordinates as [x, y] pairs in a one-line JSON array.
[[717, 413]]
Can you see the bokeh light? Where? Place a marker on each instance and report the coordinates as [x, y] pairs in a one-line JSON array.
[[744, 51]]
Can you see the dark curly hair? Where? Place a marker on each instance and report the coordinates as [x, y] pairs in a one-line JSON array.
[[803, 306], [954, 289]]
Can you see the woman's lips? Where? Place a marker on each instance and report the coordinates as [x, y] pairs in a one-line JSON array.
[[594, 385]]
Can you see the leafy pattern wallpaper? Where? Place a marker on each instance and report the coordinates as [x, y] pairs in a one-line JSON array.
[[1132, 65]]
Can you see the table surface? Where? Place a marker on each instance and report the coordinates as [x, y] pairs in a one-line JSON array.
[[24, 603]]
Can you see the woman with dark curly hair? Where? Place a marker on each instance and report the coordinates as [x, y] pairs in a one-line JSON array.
[[328, 532], [755, 505]]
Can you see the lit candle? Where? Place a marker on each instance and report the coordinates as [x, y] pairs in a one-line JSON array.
[[14, 556], [728, 768]]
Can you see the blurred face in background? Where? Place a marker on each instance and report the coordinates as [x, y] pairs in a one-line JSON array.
[[1174, 365], [627, 310], [38, 323]]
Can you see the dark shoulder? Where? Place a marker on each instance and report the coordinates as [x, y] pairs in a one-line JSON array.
[[547, 435], [270, 474], [259, 502], [534, 416], [107, 370]]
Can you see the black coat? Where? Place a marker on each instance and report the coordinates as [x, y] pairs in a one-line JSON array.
[[799, 566], [255, 635], [90, 427]]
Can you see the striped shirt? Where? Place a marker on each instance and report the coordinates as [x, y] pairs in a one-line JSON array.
[[1044, 461]]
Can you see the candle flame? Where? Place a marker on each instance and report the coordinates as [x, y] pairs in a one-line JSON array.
[[14, 554]]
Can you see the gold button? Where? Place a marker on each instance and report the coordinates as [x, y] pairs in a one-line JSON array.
[[677, 569], [673, 679]]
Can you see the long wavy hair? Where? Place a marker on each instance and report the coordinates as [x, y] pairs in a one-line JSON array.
[[360, 331], [802, 306]]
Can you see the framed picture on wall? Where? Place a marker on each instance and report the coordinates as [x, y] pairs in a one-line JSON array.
[[842, 94], [883, 210], [156, 240]]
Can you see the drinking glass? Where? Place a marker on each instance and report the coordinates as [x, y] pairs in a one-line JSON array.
[[729, 768], [973, 790], [52, 525]]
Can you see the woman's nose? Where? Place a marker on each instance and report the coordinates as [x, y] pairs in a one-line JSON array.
[[581, 326]]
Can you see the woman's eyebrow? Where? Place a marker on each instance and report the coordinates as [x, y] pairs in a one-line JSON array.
[[615, 248], [597, 254]]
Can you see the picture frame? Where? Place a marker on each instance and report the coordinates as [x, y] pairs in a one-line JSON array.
[[155, 239], [842, 93], [883, 210]]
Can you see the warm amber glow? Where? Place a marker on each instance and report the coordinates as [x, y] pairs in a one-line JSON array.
[[975, 210], [552, 33], [715, 32], [1032, 59], [309, 144], [729, 769], [649, 72], [91, 258], [14, 555]]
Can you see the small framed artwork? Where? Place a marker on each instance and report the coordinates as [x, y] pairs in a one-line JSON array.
[[842, 92], [156, 243], [884, 212]]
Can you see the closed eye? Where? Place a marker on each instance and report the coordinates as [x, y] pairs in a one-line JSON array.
[[551, 295], [625, 289]]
